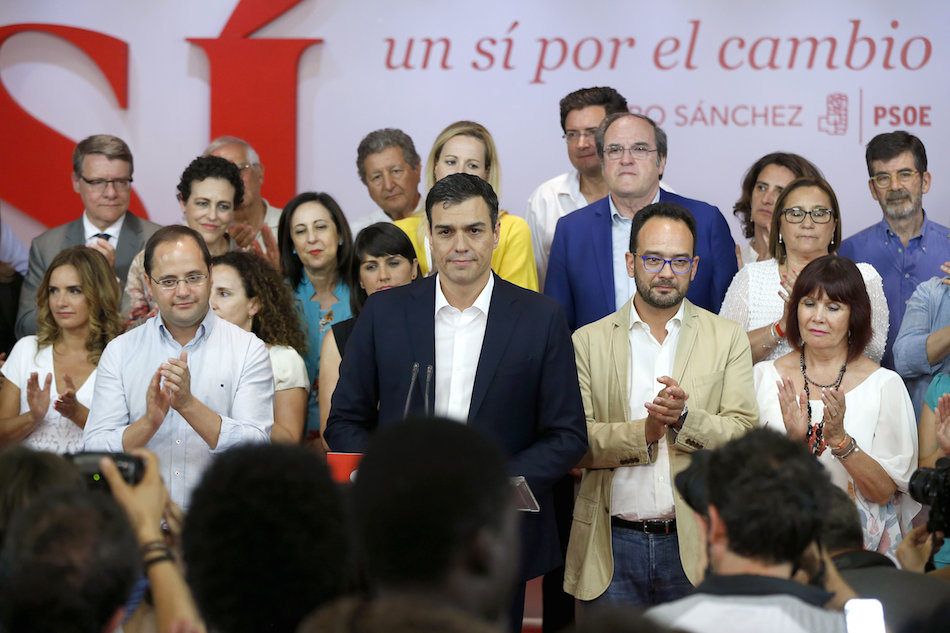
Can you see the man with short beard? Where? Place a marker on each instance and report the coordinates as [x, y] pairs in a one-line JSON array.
[[905, 247], [660, 378]]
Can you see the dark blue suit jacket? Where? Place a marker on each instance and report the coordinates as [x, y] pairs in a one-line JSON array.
[[580, 270], [526, 395]]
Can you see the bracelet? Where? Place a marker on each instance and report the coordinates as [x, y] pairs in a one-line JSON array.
[[773, 336], [852, 447], [842, 444], [153, 546], [167, 556], [778, 329]]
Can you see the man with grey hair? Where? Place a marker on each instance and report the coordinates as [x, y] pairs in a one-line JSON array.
[[389, 166], [256, 219], [102, 176], [587, 270]]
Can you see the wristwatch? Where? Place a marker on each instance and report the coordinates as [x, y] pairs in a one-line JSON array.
[[682, 418]]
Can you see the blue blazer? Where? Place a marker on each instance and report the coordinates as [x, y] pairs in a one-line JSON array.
[[526, 395], [580, 271]]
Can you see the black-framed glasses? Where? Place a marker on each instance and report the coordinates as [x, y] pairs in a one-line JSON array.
[[654, 264], [171, 283], [638, 152], [904, 177], [574, 136], [100, 184], [819, 215]]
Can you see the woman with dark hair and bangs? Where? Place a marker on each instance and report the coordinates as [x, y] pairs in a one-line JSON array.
[[385, 259], [856, 416]]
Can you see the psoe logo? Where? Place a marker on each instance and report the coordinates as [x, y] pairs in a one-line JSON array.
[[835, 120]]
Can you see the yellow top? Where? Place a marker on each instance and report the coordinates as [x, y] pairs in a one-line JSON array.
[[513, 260]]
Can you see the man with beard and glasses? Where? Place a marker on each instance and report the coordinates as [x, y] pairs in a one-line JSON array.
[[660, 378], [905, 247]]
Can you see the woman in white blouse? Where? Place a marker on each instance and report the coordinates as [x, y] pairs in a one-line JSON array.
[[856, 416], [805, 226], [49, 382], [249, 293]]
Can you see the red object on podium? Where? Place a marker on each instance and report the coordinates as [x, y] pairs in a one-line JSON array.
[[343, 466]]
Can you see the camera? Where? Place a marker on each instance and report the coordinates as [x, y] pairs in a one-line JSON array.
[[931, 486], [131, 468]]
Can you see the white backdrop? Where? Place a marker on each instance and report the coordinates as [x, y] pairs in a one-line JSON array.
[[877, 54]]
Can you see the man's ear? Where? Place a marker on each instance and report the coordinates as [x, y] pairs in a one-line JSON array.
[[716, 530]]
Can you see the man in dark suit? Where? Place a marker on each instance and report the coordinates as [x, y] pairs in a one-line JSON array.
[[469, 346], [587, 270], [102, 176]]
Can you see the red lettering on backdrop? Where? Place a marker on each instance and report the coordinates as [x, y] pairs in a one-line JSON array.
[[35, 179], [254, 90]]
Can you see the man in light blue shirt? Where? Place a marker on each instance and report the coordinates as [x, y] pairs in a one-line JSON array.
[[905, 247], [922, 348], [186, 384]]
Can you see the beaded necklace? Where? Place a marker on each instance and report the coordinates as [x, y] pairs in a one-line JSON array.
[[815, 434]]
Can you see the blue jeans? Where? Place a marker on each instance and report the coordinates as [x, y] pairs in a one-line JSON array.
[[647, 570]]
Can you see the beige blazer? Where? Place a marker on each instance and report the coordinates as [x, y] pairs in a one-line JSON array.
[[713, 364]]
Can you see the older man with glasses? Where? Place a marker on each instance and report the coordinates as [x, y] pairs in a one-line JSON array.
[[905, 247], [102, 176], [587, 272]]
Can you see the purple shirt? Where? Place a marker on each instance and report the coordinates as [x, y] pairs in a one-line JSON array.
[[901, 269]]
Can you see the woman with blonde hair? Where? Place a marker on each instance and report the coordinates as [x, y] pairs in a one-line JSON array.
[[50, 376], [466, 146]]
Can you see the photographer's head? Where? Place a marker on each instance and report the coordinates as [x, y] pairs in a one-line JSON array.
[[68, 564], [767, 496]]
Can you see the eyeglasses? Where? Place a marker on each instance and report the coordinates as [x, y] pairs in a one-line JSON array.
[[904, 177], [243, 166], [638, 152], [819, 215], [171, 283], [573, 136], [654, 264], [99, 184]]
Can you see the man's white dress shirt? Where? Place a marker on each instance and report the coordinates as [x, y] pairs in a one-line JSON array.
[[458, 345], [646, 492], [230, 374]]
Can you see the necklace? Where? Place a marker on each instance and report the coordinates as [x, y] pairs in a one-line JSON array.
[[815, 434]]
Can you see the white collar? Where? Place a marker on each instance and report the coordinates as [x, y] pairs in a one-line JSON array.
[[635, 316], [90, 229], [482, 301]]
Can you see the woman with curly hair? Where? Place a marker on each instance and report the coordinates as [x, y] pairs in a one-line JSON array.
[[246, 291], [78, 308], [208, 192]]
